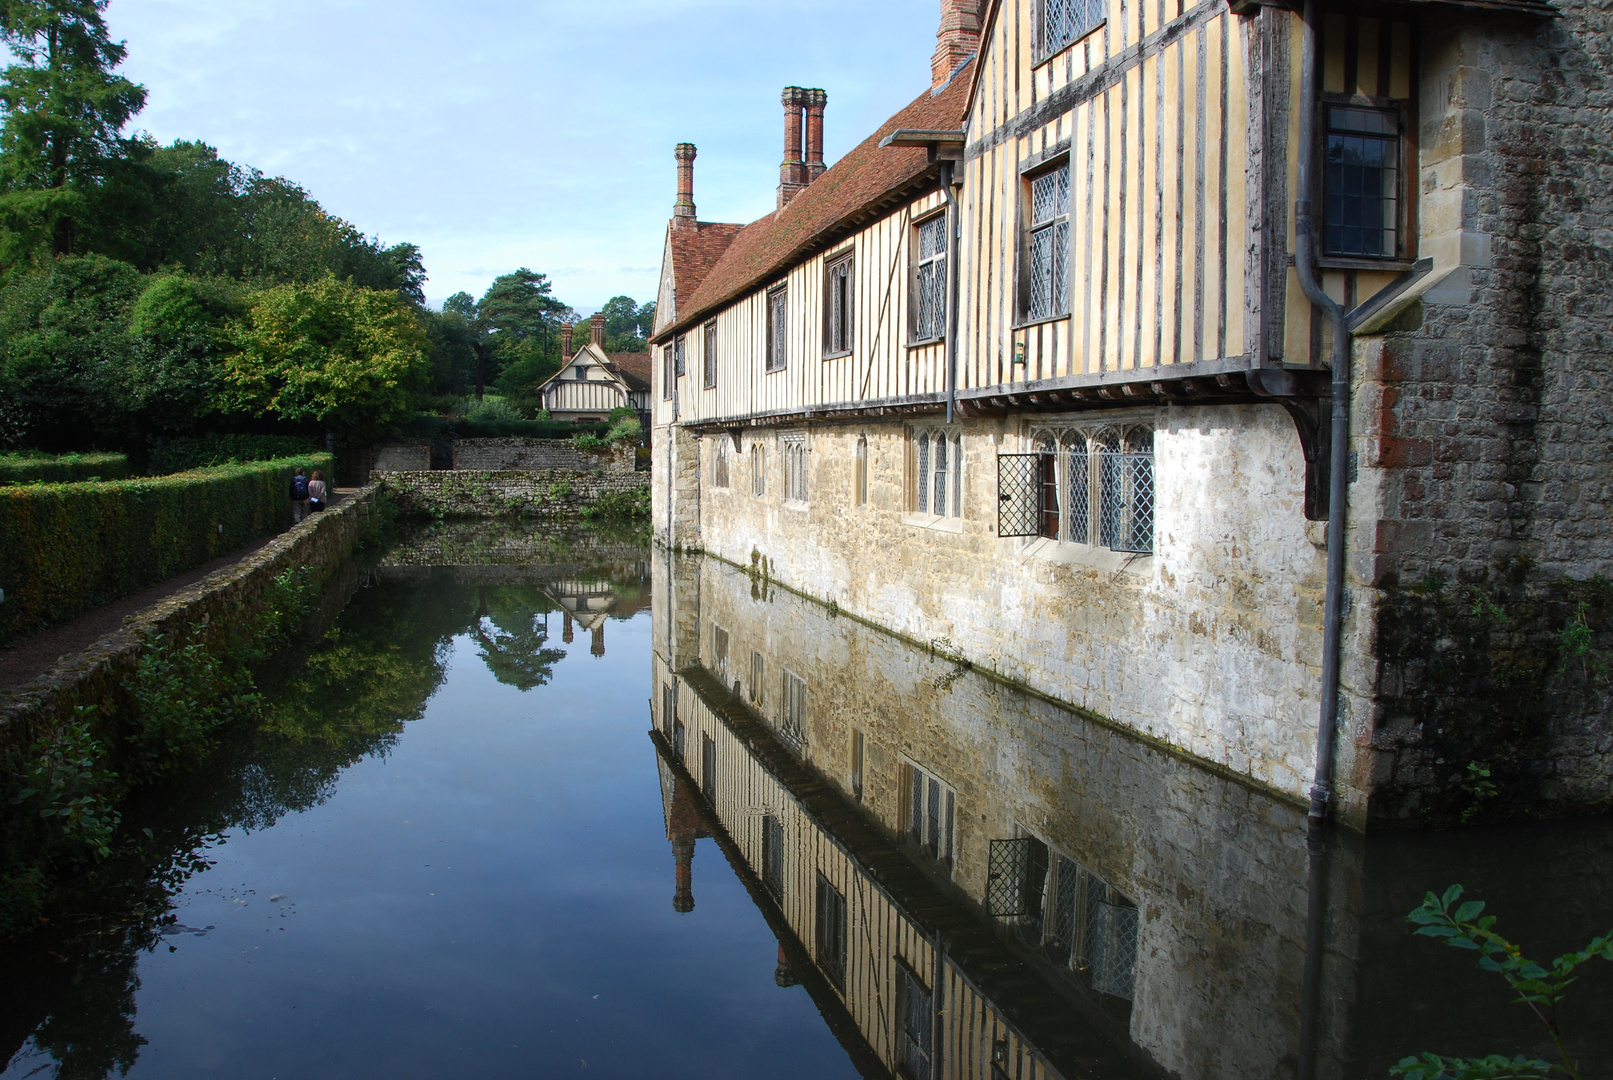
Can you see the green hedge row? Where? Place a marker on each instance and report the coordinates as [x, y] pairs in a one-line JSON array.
[[67, 548], [204, 451], [65, 469]]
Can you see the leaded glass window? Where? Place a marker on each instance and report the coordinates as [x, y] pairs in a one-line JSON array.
[[778, 325], [837, 309], [1064, 22], [1362, 197], [930, 279], [1049, 244], [709, 355], [924, 473]]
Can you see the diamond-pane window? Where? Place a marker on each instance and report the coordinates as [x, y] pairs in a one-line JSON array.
[[1067, 21], [924, 473], [777, 329], [1079, 507], [930, 279], [1126, 480], [1049, 245]]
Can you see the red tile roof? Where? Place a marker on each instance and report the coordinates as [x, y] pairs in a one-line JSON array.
[[633, 367], [859, 184], [694, 253]]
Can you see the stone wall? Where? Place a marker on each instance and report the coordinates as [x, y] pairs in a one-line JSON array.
[[548, 493], [402, 457], [1487, 439], [1212, 644], [100, 674], [505, 455]]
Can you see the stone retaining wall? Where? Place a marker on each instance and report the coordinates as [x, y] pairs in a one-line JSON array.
[[545, 493], [98, 675], [503, 455]]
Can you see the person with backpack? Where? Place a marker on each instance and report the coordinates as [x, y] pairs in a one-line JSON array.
[[316, 492], [299, 497]]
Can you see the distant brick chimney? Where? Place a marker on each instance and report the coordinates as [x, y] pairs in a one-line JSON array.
[[596, 323], [815, 101], [792, 174], [597, 648], [957, 39], [565, 341], [683, 214]]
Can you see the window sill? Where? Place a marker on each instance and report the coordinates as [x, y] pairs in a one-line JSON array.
[[1066, 553], [775, 370], [934, 522], [841, 355], [798, 505], [1383, 266], [1028, 323], [920, 343]]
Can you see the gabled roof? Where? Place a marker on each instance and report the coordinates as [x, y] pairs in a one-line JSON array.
[[633, 367], [860, 184], [631, 370], [694, 252]]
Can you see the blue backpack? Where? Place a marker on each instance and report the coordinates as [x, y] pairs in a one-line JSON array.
[[299, 487]]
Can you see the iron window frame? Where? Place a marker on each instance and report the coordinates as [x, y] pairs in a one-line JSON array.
[[838, 338], [778, 329], [1406, 241], [916, 265], [1021, 516]]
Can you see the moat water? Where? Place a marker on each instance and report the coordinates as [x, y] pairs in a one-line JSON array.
[[584, 809]]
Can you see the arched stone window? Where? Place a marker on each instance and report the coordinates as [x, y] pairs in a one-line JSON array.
[[860, 480]]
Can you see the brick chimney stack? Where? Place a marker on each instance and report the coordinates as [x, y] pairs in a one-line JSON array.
[[596, 323], [683, 215], [565, 342], [792, 175], [683, 875], [815, 101], [957, 39], [597, 648]]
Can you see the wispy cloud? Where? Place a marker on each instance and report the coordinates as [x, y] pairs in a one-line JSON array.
[[505, 133]]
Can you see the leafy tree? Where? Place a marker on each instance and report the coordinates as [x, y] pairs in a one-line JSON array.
[[514, 330], [180, 331], [628, 325], [64, 348], [64, 112], [327, 353]]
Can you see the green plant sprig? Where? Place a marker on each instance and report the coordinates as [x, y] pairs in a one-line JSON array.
[[1465, 926]]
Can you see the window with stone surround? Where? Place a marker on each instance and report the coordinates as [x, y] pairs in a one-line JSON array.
[[719, 653], [1082, 484], [719, 462], [1091, 927], [792, 720], [758, 469], [935, 470], [929, 813], [778, 327], [796, 461], [757, 671], [860, 478]]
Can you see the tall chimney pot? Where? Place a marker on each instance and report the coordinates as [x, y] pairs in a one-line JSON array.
[[957, 39], [565, 341], [683, 212], [815, 101], [792, 175], [596, 323]]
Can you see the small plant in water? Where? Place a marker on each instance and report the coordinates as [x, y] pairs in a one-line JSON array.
[[1479, 785], [1464, 926]]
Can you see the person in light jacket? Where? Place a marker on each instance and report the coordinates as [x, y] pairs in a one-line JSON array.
[[316, 491]]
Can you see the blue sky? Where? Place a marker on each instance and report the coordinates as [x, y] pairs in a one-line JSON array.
[[506, 133]]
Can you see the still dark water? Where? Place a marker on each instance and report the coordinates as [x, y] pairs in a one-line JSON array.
[[451, 849]]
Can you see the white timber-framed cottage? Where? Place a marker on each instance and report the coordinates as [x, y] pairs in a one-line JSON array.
[[1044, 372], [591, 382]]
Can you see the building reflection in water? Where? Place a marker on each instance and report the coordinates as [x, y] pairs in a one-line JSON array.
[[974, 881]]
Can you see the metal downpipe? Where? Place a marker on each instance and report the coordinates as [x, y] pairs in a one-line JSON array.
[[952, 289], [1339, 450], [1337, 508]]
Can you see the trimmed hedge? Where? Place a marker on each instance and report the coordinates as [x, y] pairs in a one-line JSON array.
[[205, 451], [64, 469], [67, 548]]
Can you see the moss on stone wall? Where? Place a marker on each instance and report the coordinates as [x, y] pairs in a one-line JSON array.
[[1494, 699]]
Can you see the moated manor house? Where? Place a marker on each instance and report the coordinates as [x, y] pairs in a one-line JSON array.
[[1043, 375]]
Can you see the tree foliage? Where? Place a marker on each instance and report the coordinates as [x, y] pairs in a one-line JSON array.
[[331, 353], [627, 324]]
